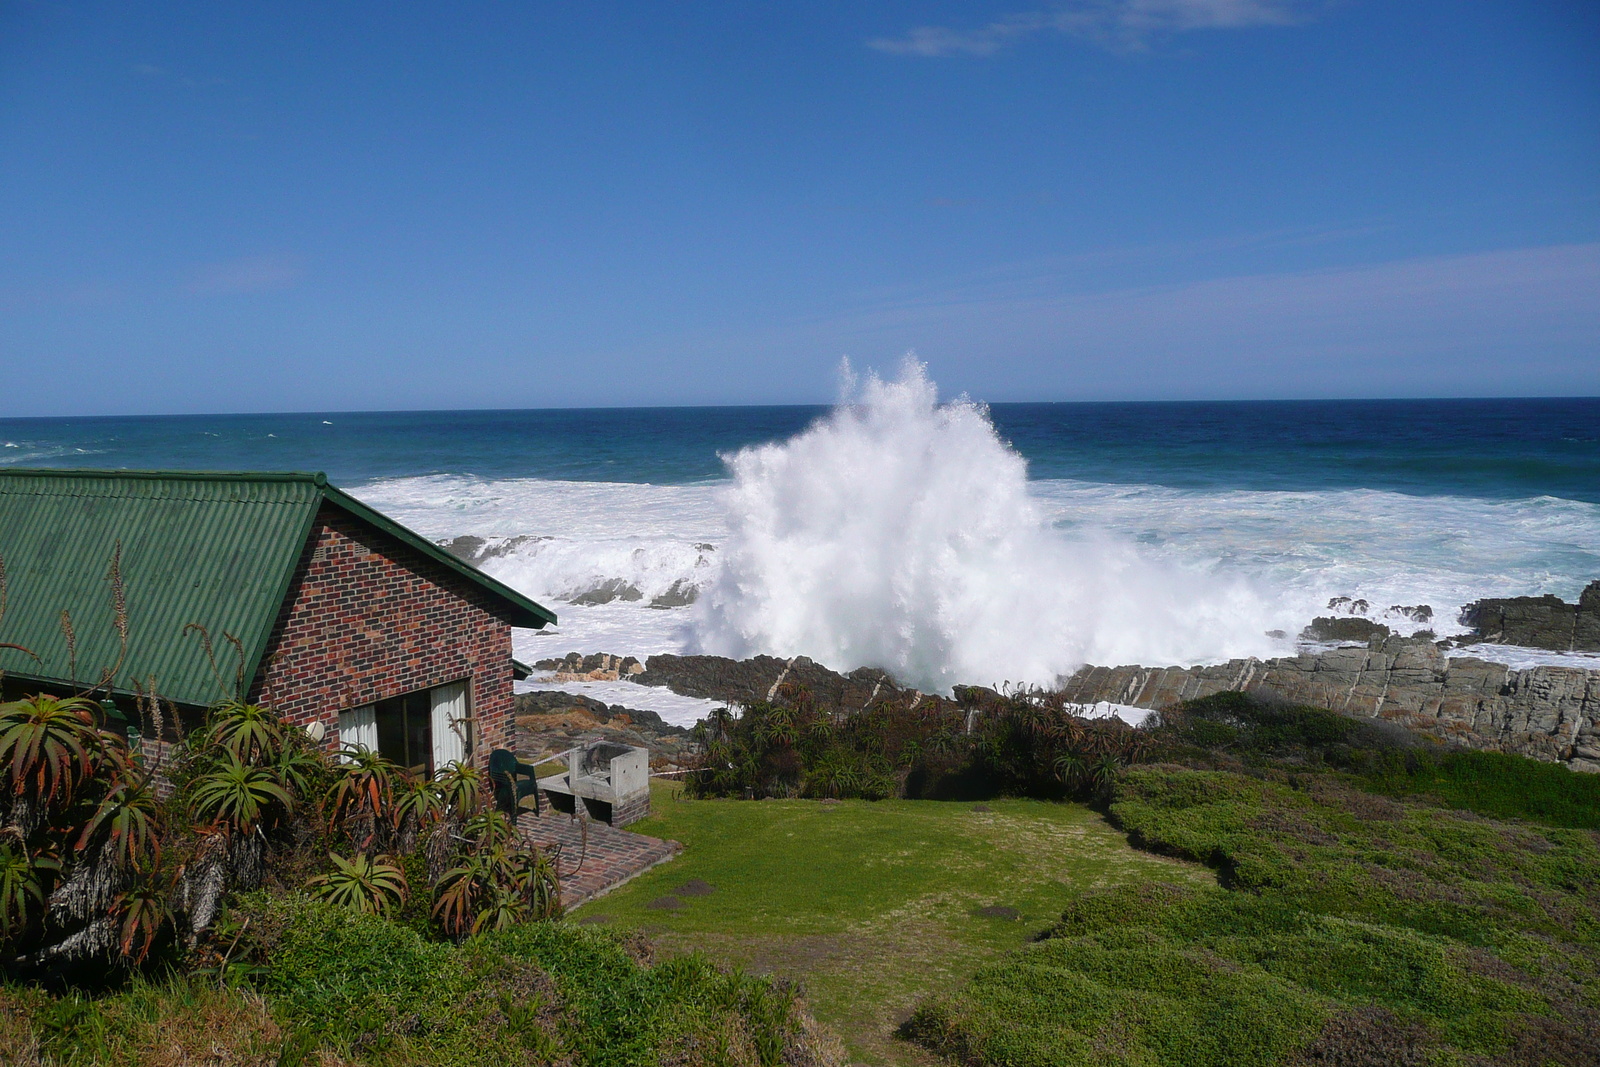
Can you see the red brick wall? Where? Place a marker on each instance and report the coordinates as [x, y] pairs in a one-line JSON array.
[[367, 618]]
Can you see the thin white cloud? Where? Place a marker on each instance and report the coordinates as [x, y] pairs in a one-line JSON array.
[[1510, 322], [1118, 24]]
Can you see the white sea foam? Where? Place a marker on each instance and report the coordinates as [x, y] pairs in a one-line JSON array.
[[900, 533], [674, 708], [29, 452]]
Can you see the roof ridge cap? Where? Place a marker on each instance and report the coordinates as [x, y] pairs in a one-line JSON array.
[[318, 478]]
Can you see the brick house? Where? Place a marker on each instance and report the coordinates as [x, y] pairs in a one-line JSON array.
[[278, 587]]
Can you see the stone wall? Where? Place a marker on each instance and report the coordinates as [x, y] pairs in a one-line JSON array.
[[1549, 713], [367, 618]]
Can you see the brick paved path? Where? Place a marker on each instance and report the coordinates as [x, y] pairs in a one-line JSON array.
[[592, 868]]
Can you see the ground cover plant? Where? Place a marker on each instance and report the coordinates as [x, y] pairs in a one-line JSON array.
[[1367, 911], [1230, 730], [346, 989], [1348, 927], [869, 905]]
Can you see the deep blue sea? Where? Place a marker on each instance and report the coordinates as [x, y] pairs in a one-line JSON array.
[[947, 541], [1495, 449]]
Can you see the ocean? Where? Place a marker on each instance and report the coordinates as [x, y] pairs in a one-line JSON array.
[[948, 541]]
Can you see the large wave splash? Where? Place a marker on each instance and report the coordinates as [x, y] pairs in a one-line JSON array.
[[898, 532]]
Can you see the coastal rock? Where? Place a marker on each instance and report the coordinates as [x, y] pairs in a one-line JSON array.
[[678, 595], [747, 681], [606, 592], [550, 722], [1346, 628], [1548, 713], [1538, 621], [600, 667], [469, 548]]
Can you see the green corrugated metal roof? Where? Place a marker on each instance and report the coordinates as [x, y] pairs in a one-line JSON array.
[[218, 549]]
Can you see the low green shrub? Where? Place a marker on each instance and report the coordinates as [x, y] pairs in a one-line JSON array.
[[1382, 757], [1348, 928], [336, 985], [983, 744], [1496, 784]]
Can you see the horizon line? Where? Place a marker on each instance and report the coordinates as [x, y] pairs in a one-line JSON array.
[[308, 412]]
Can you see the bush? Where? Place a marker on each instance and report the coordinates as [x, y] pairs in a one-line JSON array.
[[985, 744]]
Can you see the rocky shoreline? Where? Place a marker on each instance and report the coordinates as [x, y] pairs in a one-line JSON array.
[[1546, 712]]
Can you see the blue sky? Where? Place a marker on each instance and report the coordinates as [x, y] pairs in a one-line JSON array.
[[254, 207]]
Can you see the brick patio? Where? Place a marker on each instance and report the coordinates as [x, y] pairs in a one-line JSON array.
[[592, 867]]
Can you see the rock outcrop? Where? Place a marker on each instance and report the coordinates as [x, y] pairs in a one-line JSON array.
[[1549, 713], [1539, 621], [599, 667], [745, 681], [1345, 628]]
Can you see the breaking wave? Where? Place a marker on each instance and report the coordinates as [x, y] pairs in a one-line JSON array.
[[898, 532]]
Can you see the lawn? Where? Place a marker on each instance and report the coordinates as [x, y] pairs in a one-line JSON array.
[[871, 906]]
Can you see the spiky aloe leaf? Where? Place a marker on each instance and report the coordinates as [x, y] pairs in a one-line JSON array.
[[48, 746], [23, 886], [235, 797], [252, 733], [125, 819], [363, 883]]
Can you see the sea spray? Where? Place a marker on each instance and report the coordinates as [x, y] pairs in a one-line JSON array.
[[898, 532]]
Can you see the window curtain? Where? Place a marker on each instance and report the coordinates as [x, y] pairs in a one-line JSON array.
[[358, 728], [449, 725]]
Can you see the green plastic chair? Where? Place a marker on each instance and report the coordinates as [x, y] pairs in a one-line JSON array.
[[512, 780]]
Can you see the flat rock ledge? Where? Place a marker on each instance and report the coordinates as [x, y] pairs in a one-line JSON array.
[[1548, 713]]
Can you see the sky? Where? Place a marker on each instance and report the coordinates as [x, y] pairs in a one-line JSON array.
[[380, 206]]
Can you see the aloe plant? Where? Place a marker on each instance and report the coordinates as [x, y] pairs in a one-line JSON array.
[[23, 880], [142, 912], [125, 823], [363, 883], [236, 797], [461, 789], [48, 745], [361, 801], [500, 882], [252, 733]]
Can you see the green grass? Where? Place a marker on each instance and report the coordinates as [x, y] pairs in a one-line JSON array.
[[1346, 922], [870, 904]]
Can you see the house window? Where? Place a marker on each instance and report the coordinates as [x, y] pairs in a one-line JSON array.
[[425, 731]]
